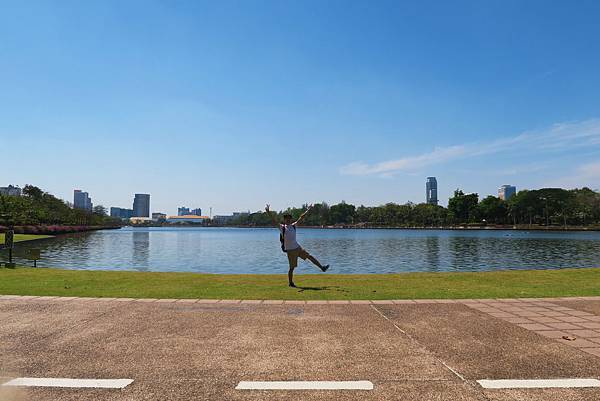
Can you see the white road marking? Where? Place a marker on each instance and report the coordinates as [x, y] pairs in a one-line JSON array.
[[550, 383], [73, 383], [305, 385]]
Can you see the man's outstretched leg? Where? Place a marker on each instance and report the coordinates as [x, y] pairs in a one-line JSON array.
[[313, 260]]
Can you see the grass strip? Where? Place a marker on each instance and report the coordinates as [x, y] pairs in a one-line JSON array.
[[499, 284], [24, 237]]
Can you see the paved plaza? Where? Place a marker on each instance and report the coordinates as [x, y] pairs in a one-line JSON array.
[[148, 349]]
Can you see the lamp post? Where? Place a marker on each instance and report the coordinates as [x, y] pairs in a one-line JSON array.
[[9, 239], [8, 243]]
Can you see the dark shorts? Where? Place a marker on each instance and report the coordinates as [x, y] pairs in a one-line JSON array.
[[294, 254]]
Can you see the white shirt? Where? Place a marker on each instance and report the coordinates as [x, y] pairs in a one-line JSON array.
[[289, 236]]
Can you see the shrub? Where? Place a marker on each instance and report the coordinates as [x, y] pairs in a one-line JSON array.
[[30, 230], [52, 230]]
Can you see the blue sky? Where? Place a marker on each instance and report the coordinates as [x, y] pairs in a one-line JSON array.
[[235, 104]]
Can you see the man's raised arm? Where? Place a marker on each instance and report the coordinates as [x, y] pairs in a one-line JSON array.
[[268, 210], [303, 214]]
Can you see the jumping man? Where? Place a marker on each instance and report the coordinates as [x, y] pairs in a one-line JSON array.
[[291, 246]]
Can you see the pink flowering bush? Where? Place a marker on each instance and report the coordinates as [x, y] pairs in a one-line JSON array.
[[51, 229], [30, 230]]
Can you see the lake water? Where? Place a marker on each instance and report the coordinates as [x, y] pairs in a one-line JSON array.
[[248, 250]]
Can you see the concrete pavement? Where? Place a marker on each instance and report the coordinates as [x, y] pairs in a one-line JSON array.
[[201, 350]]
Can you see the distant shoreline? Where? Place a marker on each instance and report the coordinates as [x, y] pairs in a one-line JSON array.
[[349, 227], [476, 228]]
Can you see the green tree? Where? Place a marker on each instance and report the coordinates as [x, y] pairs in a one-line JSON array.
[[463, 207], [37, 207], [493, 210], [342, 213], [100, 210], [363, 214], [426, 215]]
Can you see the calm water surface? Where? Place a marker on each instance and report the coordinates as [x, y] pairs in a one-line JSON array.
[[245, 250]]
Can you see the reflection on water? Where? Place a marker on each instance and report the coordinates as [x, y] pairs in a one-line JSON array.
[[464, 251], [141, 250], [232, 250], [432, 253]]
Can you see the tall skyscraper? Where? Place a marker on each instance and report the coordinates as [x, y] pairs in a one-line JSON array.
[[141, 205], [196, 212], [431, 191], [183, 211], [506, 191], [82, 200]]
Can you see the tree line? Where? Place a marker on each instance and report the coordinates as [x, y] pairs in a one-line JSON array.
[[541, 207], [36, 207]]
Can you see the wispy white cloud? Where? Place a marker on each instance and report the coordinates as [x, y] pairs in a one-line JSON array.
[[585, 175], [438, 155], [520, 169], [590, 170], [560, 137]]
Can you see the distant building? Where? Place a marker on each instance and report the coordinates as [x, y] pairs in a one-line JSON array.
[[157, 216], [82, 200], [141, 205], [505, 192], [222, 220], [431, 191], [185, 211], [121, 213], [10, 190], [140, 220], [187, 219], [226, 219]]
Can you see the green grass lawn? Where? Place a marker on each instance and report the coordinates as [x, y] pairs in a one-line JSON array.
[[24, 237], [502, 284]]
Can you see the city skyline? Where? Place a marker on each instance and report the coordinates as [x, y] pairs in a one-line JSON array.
[[504, 192], [82, 200], [235, 106]]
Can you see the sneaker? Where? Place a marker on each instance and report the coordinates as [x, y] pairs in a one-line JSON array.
[[292, 285], [324, 268]]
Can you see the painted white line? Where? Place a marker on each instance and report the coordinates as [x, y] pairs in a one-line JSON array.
[[551, 383], [306, 385], [74, 383]]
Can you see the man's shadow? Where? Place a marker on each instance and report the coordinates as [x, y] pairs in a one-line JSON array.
[[324, 288]]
